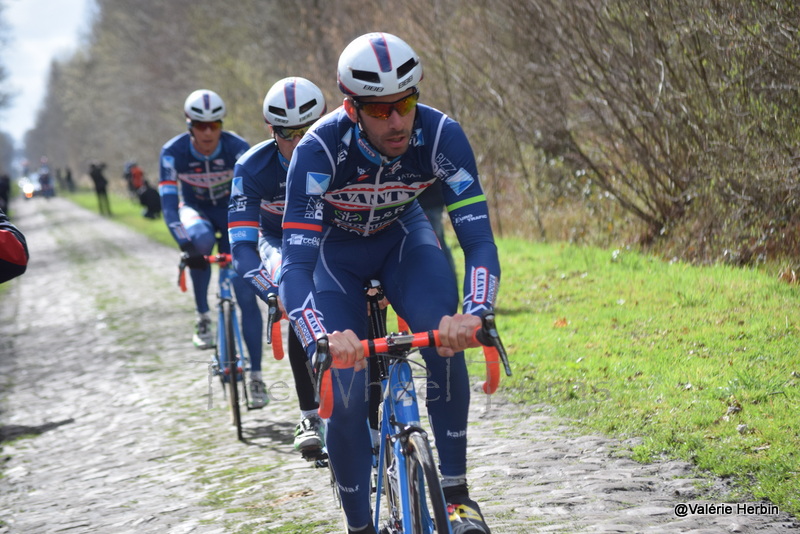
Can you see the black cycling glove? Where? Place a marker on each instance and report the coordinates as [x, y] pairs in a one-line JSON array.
[[192, 257]]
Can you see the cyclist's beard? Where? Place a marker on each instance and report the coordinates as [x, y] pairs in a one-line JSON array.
[[379, 146]]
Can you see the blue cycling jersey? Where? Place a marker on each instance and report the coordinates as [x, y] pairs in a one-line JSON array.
[[256, 208], [201, 182], [339, 184]]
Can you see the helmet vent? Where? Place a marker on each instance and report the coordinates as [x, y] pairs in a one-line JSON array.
[[308, 105], [277, 111], [367, 76], [405, 68]]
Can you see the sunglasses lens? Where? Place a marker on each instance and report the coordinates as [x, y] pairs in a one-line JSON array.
[[213, 126], [405, 106], [290, 133], [378, 110], [383, 110]]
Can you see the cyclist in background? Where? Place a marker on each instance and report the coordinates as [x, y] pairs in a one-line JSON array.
[[351, 214], [196, 170], [254, 220]]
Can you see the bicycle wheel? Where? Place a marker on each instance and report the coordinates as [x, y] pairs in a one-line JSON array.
[[231, 366], [426, 500]]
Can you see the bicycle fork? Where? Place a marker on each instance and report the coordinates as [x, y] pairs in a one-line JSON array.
[[400, 419]]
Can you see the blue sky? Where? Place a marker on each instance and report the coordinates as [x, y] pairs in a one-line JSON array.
[[39, 30]]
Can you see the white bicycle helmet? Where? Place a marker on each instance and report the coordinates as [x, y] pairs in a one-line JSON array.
[[205, 106], [293, 102], [378, 64]]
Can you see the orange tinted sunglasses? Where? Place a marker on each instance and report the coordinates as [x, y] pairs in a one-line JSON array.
[[383, 110], [213, 126]]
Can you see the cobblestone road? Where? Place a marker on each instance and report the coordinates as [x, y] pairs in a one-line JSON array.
[[106, 426]]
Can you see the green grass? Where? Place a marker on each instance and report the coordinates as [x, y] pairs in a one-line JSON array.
[[127, 212], [700, 362], [682, 356]]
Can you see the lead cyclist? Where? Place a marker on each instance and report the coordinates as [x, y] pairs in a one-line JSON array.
[[351, 215]]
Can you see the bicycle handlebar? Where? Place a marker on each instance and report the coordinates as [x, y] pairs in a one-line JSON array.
[[486, 335], [223, 260]]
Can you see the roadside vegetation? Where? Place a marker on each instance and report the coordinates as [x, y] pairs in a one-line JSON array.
[[672, 125]]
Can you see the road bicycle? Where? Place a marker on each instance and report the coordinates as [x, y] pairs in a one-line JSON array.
[[229, 361], [408, 496]]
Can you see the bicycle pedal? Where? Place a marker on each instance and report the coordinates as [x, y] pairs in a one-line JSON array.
[[313, 453], [321, 464]]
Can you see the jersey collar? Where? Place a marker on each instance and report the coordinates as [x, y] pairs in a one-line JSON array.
[[203, 157], [369, 151]]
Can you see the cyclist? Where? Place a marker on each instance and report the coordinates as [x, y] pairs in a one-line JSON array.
[[351, 214], [255, 212], [196, 170]]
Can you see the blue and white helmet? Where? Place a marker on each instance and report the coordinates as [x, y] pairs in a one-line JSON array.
[[378, 64], [293, 102], [205, 106]]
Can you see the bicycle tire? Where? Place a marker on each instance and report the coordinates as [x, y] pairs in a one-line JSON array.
[[428, 495], [232, 367]]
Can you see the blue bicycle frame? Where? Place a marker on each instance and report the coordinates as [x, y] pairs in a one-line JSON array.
[[400, 416], [226, 276]]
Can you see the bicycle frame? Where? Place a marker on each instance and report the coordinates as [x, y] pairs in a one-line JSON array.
[[400, 427], [226, 275], [400, 418], [226, 350]]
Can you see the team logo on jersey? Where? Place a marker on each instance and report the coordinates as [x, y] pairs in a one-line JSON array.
[[460, 181], [300, 239], [236, 186], [344, 148], [417, 139], [314, 209], [364, 197], [308, 324], [275, 208], [317, 183], [468, 218], [239, 202], [443, 167], [366, 149]]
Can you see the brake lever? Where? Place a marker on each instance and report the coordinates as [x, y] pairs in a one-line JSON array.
[[322, 362], [273, 314], [488, 335]]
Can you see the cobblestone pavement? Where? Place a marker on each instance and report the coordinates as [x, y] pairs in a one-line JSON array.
[[106, 425]]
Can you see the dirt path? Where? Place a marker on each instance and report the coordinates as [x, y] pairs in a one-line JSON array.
[[98, 376]]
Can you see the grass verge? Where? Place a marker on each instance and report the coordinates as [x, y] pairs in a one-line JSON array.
[[701, 362]]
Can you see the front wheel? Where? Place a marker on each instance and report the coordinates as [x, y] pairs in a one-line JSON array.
[[232, 366], [427, 507]]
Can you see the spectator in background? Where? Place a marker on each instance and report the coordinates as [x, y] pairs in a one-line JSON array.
[[68, 180], [13, 250], [5, 190], [100, 187], [45, 180]]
